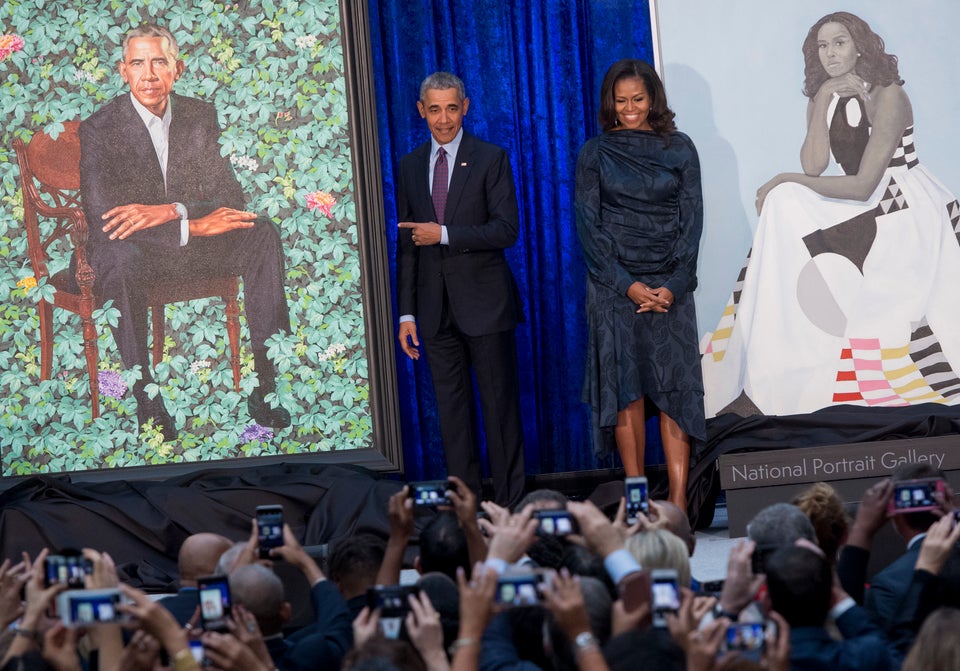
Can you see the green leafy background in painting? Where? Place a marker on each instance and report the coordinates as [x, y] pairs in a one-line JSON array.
[[275, 71]]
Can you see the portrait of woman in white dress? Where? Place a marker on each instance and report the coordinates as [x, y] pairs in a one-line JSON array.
[[849, 293]]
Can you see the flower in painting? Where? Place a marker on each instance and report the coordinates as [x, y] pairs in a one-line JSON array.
[[257, 433], [321, 200], [305, 41], [27, 283], [111, 384], [333, 351], [244, 162], [82, 75], [10, 44], [197, 366]]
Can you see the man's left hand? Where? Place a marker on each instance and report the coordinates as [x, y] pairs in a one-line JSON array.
[[125, 220], [423, 234]]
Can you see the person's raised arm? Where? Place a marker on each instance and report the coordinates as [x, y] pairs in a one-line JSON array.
[[564, 599], [400, 514], [293, 552], [465, 506], [39, 599]]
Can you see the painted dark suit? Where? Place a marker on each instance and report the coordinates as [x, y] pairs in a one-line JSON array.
[[119, 166], [466, 304]]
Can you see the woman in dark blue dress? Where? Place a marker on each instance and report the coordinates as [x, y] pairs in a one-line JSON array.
[[639, 217]]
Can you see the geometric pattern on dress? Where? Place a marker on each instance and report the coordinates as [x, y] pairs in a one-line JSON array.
[[953, 211], [721, 336], [853, 239], [893, 199], [926, 353], [905, 153], [917, 372]]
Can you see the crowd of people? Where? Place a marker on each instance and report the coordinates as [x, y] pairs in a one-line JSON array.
[[495, 590]]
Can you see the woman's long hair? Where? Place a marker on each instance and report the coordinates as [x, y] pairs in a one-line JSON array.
[[660, 116], [874, 65]]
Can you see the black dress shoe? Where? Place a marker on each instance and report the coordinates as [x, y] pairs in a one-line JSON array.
[[264, 415], [153, 408]]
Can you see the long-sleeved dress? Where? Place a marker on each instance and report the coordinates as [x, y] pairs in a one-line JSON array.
[[639, 211]]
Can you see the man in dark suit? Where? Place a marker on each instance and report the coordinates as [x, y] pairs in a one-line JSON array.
[[163, 206], [458, 212], [800, 587]]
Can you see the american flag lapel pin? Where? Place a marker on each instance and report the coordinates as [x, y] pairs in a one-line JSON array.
[[463, 165]]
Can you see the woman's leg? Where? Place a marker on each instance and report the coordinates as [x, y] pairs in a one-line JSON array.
[[631, 436], [676, 446]]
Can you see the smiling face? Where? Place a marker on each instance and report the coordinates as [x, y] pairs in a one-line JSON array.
[[150, 70], [443, 110], [838, 53], [631, 102]]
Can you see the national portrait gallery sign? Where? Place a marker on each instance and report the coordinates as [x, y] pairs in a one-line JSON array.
[[835, 462]]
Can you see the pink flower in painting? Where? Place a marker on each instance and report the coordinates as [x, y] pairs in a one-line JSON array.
[[10, 44], [321, 200]]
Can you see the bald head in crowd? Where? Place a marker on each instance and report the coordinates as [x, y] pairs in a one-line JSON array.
[[199, 555]]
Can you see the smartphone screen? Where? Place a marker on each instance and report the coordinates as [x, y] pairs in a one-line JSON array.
[[391, 600], [746, 638], [269, 529], [66, 569], [665, 595], [915, 495], [637, 499], [555, 523], [214, 595], [430, 493], [87, 607], [519, 590]]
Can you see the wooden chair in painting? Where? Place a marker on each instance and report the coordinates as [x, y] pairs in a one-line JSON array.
[[50, 181]]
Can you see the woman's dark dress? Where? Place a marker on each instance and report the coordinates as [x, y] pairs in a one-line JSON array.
[[639, 217]]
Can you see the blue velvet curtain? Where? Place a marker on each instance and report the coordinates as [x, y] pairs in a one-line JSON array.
[[532, 71]]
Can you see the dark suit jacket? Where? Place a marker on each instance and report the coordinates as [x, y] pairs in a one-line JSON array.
[[183, 604], [119, 166], [321, 645], [482, 220], [863, 646], [889, 586]]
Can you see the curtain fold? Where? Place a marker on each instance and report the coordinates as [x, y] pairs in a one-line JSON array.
[[532, 71]]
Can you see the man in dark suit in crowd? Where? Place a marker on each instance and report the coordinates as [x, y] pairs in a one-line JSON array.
[[458, 212], [888, 587], [163, 206], [800, 587]]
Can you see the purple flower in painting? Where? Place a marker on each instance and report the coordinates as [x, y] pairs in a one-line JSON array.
[[111, 384], [256, 432]]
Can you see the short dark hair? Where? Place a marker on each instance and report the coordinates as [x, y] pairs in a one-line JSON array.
[[542, 496], [660, 116], [445, 597], [799, 582], [355, 561], [443, 545], [874, 64]]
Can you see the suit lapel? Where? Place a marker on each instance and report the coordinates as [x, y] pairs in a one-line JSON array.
[[420, 188], [138, 149], [461, 171]]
